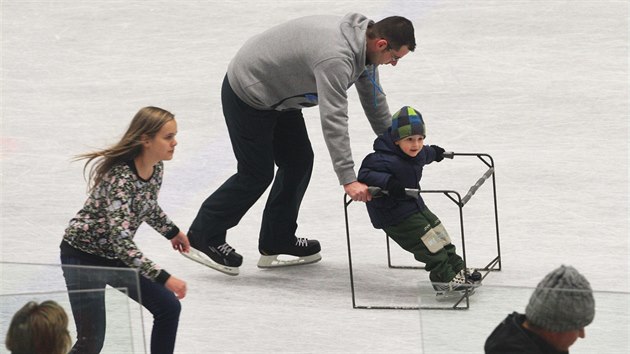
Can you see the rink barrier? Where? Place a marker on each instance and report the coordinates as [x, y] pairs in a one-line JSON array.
[[24, 282], [493, 265]]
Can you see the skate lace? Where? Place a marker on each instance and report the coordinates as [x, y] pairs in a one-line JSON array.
[[225, 249], [301, 242], [458, 279]]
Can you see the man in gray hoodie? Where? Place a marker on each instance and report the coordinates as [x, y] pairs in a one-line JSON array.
[[302, 63]]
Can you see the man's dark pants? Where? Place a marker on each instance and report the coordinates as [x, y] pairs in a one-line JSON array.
[[260, 140]]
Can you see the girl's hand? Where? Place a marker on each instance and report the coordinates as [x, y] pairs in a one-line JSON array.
[[180, 242], [177, 286]]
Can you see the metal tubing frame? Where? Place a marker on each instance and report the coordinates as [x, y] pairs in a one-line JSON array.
[[456, 306], [493, 265]]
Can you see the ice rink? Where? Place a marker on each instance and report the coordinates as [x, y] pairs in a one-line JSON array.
[[541, 86]]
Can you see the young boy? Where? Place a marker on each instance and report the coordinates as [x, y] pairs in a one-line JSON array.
[[396, 163]]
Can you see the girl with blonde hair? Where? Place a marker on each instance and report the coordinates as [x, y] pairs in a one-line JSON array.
[[124, 181]]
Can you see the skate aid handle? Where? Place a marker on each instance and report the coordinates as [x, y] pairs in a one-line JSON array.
[[377, 192]]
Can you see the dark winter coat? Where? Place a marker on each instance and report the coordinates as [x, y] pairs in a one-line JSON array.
[[511, 337], [388, 161]]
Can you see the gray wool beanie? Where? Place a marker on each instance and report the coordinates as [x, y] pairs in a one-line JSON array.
[[563, 301]]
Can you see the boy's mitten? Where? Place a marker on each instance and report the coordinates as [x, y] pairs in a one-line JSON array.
[[439, 153], [395, 189]]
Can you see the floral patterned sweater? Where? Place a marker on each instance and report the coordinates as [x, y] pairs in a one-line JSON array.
[[103, 230]]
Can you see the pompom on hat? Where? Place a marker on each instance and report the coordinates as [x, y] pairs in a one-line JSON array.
[[406, 122], [563, 301]]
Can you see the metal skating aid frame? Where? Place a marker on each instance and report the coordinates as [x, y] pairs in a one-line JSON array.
[[455, 197]]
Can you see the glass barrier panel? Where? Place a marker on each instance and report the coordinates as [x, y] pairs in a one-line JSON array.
[[22, 283]]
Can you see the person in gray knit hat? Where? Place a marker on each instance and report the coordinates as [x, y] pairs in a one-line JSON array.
[[558, 310]]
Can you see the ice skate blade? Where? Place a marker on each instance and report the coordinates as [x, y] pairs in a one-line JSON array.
[[274, 262], [450, 295], [202, 258]]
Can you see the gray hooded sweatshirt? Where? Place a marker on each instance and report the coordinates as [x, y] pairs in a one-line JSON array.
[[313, 61]]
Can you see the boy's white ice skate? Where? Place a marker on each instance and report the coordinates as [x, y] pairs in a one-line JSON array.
[[460, 285], [473, 275]]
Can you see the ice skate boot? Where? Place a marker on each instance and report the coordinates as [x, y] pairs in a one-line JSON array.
[[220, 257], [458, 286], [304, 251], [472, 275]]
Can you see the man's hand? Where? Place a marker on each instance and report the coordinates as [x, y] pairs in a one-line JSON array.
[[357, 191]]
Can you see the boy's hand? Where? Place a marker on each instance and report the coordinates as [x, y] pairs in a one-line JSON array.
[[439, 153], [395, 189]]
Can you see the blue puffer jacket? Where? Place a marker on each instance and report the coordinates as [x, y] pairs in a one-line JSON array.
[[388, 161]]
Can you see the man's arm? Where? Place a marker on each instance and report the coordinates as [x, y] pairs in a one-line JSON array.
[[333, 78]]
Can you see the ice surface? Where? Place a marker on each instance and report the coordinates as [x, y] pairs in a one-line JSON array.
[[542, 86]]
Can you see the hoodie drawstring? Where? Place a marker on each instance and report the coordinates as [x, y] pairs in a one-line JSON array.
[[373, 81]]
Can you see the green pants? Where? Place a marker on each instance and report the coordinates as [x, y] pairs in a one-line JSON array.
[[442, 265]]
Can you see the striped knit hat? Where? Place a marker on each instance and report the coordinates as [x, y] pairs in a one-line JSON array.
[[406, 122]]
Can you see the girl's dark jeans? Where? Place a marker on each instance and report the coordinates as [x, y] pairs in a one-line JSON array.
[[88, 307]]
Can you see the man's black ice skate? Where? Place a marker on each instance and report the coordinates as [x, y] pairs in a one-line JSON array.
[[219, 257], [304, 251], [458, 286]]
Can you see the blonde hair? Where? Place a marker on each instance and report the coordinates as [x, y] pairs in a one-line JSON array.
[[39, 329], [146, 124]]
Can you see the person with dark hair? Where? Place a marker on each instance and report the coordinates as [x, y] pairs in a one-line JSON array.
[[302, 63], [39, 329], [558, 310], [397, 163], [125, 180]]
